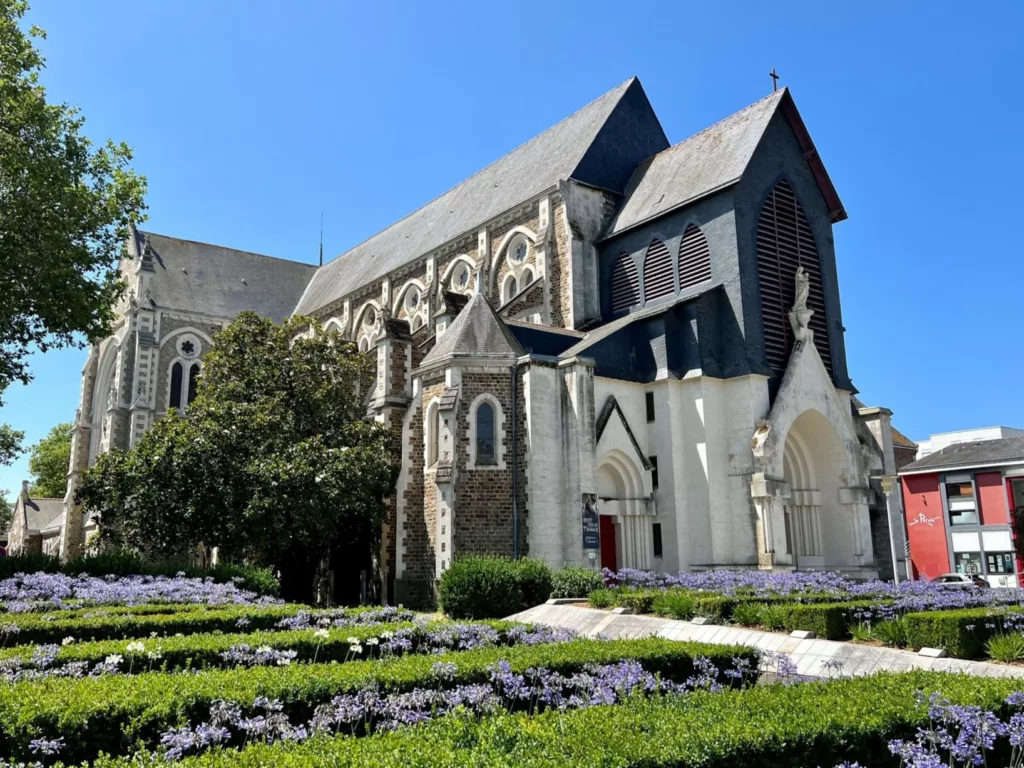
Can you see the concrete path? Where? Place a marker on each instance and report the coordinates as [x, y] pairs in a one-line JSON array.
[[808, 655]]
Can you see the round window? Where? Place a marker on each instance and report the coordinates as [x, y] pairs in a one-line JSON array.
[[370, 317], [517, 251], [188, 346], [412, 298], [461, 277]]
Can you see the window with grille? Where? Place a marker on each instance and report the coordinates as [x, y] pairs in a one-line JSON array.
[[785, 242], [694, 258], [625, 284], [658, 279]]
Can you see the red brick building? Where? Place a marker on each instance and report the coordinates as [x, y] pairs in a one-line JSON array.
[[961, 504]]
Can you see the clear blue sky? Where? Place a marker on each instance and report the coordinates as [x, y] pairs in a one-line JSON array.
[[250, 118]]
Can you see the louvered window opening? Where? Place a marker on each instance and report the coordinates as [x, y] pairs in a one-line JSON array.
[[785, 242], [694, 258], [625, 284], [658, 278]]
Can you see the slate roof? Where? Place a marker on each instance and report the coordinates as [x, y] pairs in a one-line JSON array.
[[39, 513], [902, 441], [561, 152], [222, 281], [979, 454], [710, 161], [477, 332]]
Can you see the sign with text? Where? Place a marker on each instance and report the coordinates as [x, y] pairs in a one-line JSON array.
[[591, 523]]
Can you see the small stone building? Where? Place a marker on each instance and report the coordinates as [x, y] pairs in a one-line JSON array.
[[599, 319], [36, 525]]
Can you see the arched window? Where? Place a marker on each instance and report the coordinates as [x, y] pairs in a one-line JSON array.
[[784, 243], [176, 376], [526, 277], [433, 433], [193, 382], [694, 258], [511, 288], [625, 284], [485, 434], [658, 278]]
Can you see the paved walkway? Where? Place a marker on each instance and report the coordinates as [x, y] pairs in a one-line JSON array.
[[808, 655]]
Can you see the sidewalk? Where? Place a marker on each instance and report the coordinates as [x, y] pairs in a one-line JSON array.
[[808, 655]]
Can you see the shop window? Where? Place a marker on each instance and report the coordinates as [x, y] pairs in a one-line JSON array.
[[657, 539], [968, 562], [999, 562], [963, 508]]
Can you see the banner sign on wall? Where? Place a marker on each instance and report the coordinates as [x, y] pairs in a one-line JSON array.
[[591, 522]]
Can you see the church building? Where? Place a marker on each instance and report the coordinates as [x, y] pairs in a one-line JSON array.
[[600, 321]]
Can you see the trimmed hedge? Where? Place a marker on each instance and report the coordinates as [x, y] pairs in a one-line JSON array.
[[817, 724], [259, 580], [110, 714], [575, 582], [35, 629], [477, 587], [830, 621], [962, 633]]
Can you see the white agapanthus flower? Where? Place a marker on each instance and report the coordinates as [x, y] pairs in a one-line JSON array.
[[356, 649], [67, 641], [135, 647], [322, 633], [353, 641], [372, 641], [114, 659]]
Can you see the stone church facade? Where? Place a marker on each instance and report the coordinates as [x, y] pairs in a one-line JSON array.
[[600, 319]]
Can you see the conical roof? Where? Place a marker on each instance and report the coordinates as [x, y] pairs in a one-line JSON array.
[[477, 332]]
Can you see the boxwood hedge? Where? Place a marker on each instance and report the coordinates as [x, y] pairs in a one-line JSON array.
[[962, 633], [818, 724], [36, 628], [113, 714]]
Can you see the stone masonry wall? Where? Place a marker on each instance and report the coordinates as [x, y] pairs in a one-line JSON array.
[[483, 496]]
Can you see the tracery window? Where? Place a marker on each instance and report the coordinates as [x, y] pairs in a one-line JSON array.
[[485, 434]]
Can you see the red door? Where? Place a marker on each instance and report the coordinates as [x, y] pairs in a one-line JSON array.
[[608, 543]]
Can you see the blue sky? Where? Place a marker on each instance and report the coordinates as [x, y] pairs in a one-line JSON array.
[[250, 118]]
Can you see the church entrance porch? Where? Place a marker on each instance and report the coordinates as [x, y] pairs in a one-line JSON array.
[[626, 514], [609, 546]]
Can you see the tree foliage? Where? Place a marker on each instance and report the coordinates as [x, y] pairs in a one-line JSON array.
[[65, 210], [48, 463], [6, 511], [275, 462], [10, 444]]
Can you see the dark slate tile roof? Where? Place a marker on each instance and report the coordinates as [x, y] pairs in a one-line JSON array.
[[39, 513], [477, 332], [538, 164], [982, 453], [709, 161], [222, 281]]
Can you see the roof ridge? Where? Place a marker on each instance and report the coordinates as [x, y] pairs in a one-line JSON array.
[[624, 85], [727, 118], [227, 248]]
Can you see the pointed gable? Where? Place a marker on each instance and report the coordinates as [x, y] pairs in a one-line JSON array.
[[598, 145], [477, 333], [712, 160]]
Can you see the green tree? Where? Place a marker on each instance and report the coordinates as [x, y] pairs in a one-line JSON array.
[[10, 444], [65, 210], [275, 463], [48, 463], [6, 510]]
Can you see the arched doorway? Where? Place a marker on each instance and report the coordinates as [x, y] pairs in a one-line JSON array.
[[819, 528], [626, 533]]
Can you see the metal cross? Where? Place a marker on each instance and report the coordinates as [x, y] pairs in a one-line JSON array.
[[775, 79]]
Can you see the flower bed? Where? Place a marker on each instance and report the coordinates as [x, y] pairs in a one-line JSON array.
[[821, 724], [111, 713]]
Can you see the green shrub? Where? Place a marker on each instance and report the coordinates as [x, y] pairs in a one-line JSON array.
[[773, 616], [535, 581], [818, 724], [962, 633], [748, 614], [637, 600], [476, 587], [674, 604], [861, 631], [830, 621], [717, 609], [114, 713], [602, 598], [34, 628], [891, 632], [1006, 646], [575, 582]]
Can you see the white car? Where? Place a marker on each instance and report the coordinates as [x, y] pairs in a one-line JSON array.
[[962, 580]]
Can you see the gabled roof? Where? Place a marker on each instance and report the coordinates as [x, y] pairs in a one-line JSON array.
[[39, 513], [222, 281], [478, 333], [599, 145], [1007, 450], [710, 161]]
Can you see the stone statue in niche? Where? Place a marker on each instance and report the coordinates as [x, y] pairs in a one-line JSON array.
[[800, 316]]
